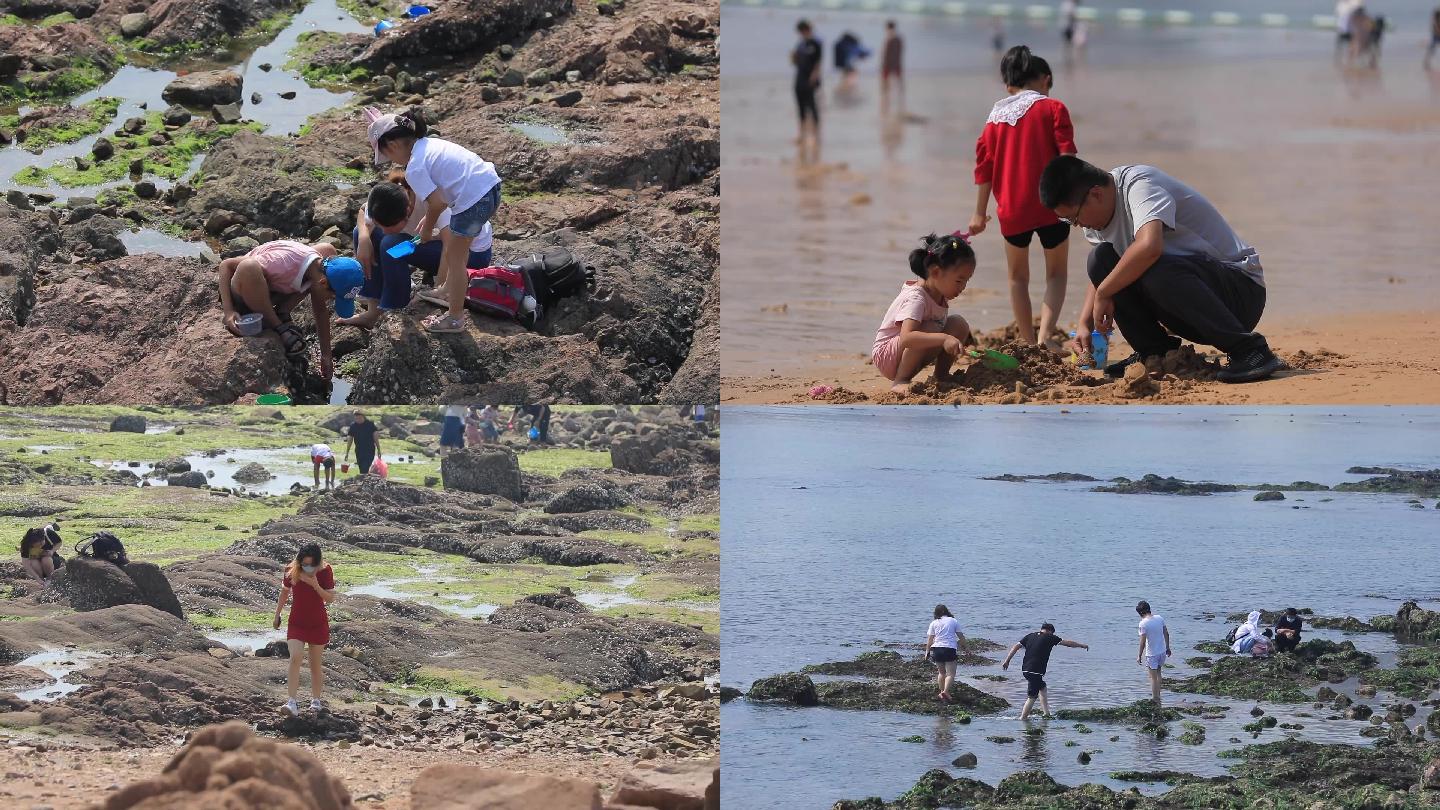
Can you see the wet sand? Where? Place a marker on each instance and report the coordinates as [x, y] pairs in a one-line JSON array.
[[1322, 169]]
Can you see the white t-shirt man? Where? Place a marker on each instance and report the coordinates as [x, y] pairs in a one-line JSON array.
[[461, 176], [946, 632], [1193, 227], [1152, 629], [321, 452]]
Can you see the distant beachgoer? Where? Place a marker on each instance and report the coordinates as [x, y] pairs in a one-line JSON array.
[[997, 35], [807, 58], [1344, 20], [1165, 266], [1287, 630], [1154, 637], [1264, 645], [37, 552], [943, 643], [1245, 635], [1361, 24], [271, 280], [1024, 132], [312, 582], [892, 67], [322, 456], [918, 328], [1037, 647], [539, 419], [1068, 10], [1434, 38], [489, 421], [472, 427], [848, 51], [452, 431], [1377, 32], [363, 435]]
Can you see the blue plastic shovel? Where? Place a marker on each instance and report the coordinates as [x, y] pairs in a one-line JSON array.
[[403, 249]]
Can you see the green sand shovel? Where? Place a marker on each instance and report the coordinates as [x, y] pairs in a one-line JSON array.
[[996, 360]]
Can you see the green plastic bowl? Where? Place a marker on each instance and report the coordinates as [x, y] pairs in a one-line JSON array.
[[272, 399]]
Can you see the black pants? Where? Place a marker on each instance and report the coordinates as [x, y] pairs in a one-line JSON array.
[[1286, 643], [542, 423], [364, 457], [1194, 297], [805, 100]]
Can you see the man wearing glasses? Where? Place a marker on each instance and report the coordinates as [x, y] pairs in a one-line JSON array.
[[1166, 265]]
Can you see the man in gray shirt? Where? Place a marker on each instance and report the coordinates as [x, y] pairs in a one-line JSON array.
[[1166, 265]]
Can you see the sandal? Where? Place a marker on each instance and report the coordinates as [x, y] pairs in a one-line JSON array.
[[436, 297], [291, 339], [445, 323]]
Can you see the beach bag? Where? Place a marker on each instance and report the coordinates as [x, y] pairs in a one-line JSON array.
[[104, 546], [501, 291], [380, 468], [555, 274]]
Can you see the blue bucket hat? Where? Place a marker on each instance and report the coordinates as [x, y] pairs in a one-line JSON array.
[[346, 278]]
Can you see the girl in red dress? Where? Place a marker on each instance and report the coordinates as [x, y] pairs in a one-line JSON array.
[[1025, 130], [313, 582]]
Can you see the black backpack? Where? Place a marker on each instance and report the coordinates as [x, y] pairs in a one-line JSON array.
[[104, 546], [555, 274]]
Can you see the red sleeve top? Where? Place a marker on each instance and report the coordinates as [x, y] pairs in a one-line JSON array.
[[1012, 157], [309, 621]]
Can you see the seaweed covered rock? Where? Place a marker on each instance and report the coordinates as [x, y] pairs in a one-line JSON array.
[[911, 696], [791, 687], [1414, 623], [90, 584]]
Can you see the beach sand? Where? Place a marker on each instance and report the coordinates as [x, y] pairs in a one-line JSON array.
[[1323, 170]]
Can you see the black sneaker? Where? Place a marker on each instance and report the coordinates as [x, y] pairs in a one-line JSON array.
[[1117, 369], [1252, 365]]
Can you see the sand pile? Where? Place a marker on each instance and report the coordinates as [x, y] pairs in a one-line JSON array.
[[1010, 333], [227, 766], [1183, 363], [1318, 360]]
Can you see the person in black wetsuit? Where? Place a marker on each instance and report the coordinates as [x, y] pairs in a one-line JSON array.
[[363, 435], [1287, 631], [1037, 647], [539, 419], [807, 58]]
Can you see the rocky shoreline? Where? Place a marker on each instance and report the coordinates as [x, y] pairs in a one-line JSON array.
[[608, 145], [542, 676], [1401, 768]]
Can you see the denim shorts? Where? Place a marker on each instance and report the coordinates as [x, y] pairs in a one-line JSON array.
[[471, 221]]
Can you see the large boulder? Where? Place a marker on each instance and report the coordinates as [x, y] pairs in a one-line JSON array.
[[586, 497], [128, 423], [1414, 623], [258, 180], [142, 329], [207, 22], [204, 88], [464, 27], [172, 466], [134, 25], [253, 473], [666, 450], [154, 588], [685, 785], [465, 787], [193, 479], [226, 766], [487, 470], [792, 687], [92, 584], [26, 239]]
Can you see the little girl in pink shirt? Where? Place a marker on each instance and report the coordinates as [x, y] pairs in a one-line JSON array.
[[918, 328]]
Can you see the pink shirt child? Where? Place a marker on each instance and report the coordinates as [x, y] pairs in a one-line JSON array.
[[284, 262], [913, 303]]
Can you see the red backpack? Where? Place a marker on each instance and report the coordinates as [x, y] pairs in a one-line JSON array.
[[501, 291]]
